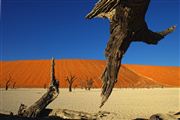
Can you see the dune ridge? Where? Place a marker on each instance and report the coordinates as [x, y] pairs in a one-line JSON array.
[[36, 74]]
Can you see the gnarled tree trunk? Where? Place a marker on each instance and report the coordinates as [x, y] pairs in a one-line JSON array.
[[53, 91], [127, 24]]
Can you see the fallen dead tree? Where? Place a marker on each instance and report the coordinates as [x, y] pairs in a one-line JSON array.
[[65, 114], [61, 114], [79, 115], [52, 92], [38, 109]]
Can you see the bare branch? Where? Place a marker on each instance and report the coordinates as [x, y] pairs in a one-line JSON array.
[[70, 79]]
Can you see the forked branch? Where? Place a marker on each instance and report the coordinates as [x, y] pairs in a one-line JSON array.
[[70, 79]]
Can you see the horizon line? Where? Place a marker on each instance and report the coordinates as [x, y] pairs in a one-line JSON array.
[[87, 60]]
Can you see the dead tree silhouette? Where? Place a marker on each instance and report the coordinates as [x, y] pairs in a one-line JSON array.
[[89, 83], [8, 81], [14, 84], [127, 24], [70, 79]]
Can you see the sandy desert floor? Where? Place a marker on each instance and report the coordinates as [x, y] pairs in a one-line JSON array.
[[125, 103]]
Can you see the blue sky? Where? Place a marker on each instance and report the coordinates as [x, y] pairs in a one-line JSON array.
[[40, 29]]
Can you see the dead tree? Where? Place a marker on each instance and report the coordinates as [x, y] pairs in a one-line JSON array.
[[14, 84], [8, 81], [127, 24], [70, 79], [53, 91], [7, 84], [89, 83]]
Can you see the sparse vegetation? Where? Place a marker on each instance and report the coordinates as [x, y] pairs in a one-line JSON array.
[[8, 81], [14, 84], [89, 83], [70, 80]]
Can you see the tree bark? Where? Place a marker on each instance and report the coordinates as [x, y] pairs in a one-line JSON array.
[[53, 91], [70, 88], [127, 24], [78, 115]]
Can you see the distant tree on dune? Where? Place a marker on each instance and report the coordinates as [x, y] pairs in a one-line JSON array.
[[8, 81], [89, 83], [70, 80], [14, 84]]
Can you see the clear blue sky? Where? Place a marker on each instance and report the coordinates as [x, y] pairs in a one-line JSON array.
[[40, 29]]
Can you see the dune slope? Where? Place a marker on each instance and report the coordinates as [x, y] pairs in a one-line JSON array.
[[36, 73]]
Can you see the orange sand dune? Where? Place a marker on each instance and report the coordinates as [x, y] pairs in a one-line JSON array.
[[162, 74], [36, 73]]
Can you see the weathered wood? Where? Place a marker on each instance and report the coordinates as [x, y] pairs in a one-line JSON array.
[[16, 117], [79, 115], [167, 116], [63, 114], [53, 91], [127, 24]]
